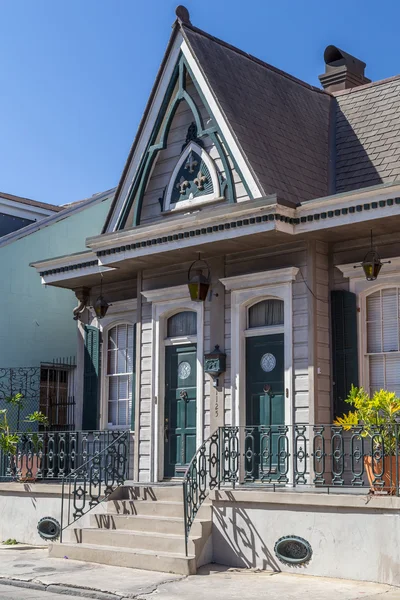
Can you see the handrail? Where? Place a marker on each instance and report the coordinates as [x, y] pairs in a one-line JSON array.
[[95, 480], [198, 479]]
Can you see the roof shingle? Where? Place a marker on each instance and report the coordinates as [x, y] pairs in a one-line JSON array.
[[368, 135], [281, 123]]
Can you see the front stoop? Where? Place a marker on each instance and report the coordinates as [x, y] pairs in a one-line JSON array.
[[143, 528]]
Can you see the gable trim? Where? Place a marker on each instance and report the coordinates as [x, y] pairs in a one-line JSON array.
[[215, 195], [141, 178], [178, 59], [138, 147], [253, 187]]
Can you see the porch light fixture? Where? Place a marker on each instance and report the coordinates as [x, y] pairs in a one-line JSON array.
[[101, 305], [198, 283], [372, 263]]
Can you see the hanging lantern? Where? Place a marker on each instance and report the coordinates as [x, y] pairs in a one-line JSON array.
[[101, 305], [198, 282], [372, 263]]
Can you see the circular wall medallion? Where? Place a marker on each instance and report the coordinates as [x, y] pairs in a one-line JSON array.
[[184, 370], [268, 362], [49, 528], [293, 550]]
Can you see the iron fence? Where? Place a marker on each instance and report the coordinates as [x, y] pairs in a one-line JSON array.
[[48, 388], [300, 456], [52, 455]]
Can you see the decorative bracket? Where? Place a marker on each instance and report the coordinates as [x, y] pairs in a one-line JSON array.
[[83, 295]]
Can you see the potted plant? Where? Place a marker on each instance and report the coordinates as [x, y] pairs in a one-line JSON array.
[[377, 418], [17, 447]]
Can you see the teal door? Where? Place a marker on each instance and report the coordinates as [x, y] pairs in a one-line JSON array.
[[180, 409], [265, 404]]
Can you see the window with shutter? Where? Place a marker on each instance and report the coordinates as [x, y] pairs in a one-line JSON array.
[[91, 378], [344, 347], [383, 347], [119, 374]]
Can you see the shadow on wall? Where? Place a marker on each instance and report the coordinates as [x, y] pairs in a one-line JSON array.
[[245, 544]]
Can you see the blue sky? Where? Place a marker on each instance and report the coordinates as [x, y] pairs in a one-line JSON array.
[[75, 74]]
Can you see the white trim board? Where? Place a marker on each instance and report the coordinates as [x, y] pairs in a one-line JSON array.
[[165, 303], [247, 290], [146, 132]]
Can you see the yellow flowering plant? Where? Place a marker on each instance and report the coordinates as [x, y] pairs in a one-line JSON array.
[[379, 415]]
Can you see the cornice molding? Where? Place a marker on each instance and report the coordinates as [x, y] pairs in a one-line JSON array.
[[260, 279], [178, 292]]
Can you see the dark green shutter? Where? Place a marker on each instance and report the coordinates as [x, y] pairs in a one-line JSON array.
[[133, 379], [91, 387], [344, 347]]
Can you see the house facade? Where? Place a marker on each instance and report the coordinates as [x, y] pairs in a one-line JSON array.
[[37, 333], [267, 188]]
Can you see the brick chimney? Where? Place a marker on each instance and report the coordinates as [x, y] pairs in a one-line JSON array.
[[342, 71]]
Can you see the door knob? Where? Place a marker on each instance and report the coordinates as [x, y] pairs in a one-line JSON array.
[[166, 430], [267, 389]]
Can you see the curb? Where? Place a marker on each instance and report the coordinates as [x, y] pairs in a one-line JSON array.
[[22, 547], [60, 589]]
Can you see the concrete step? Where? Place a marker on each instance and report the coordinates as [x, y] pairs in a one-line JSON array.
[[139, 540], [149, 507], [147, 523], [133, 491], [145, 507], [149, 560]]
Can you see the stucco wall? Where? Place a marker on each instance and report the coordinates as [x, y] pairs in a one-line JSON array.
[[22, 505], [352, 537], [36, 322]]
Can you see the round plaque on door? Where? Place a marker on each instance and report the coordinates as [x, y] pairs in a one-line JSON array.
[[268, 362], [184, 370]]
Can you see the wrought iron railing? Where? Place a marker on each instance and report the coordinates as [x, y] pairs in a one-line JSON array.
[[303, 456], [48, 388], [52, 455], [92, 482]]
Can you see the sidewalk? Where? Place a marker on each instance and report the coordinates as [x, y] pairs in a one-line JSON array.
[[33, 569]]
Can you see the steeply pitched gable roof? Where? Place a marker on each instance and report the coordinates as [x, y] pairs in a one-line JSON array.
[[280, 122], [300, 142], [368, 135]]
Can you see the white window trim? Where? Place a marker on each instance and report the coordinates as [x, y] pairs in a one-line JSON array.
[[193, 147], [119, 313], [275, 284], [105, 378], [165, 303], [266, 330], [389, 277]]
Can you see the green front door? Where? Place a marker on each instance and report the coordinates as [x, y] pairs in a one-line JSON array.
[[180, 409], [265, 404]]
